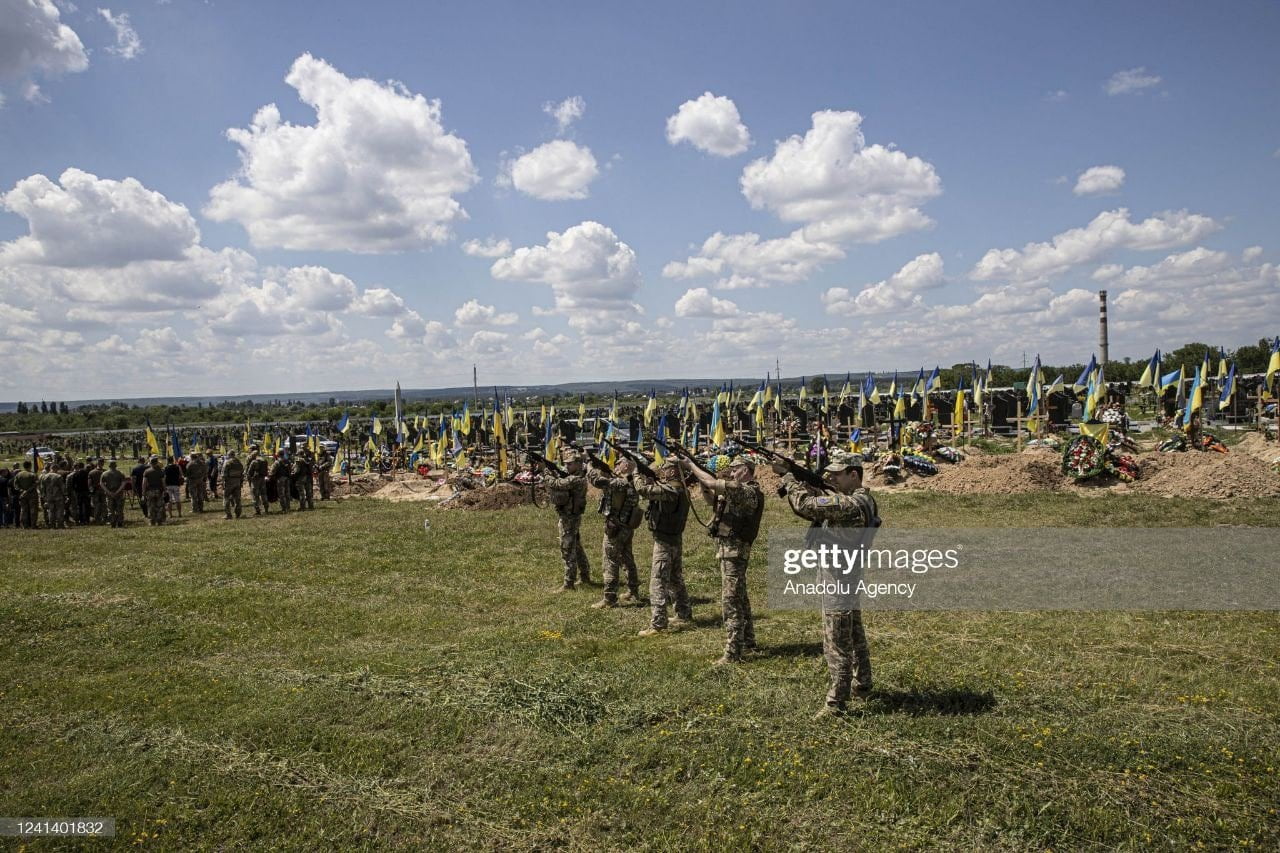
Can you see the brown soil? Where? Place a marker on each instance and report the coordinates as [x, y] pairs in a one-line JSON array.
[[501, 496], [1207, 475]]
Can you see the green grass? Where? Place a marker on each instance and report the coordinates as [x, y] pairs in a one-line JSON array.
[[344, 679]]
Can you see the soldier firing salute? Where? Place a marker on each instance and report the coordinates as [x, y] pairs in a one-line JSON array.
[[846, 508], [667, 514], [620, 506], [739, 505], [197, 481], [232, 480], [568, 495]]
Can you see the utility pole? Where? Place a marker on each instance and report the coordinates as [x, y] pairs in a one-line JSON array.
[[475, 387]]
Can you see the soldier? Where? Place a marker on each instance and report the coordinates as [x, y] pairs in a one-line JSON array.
[[173, 486], [78, 494], [212, 461], [53, 493], [620, 506], [154, 491], [26, 487], [281, 476], [569, 497], [739, 505], [667, 514], [113, 485], [324, 474], [302, 480], [256, 470], [197, 475], [847, 513], [97, 500], [232, 481]]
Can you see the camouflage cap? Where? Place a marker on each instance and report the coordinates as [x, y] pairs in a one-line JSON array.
[[740, 461], [569, 456], [841, 460]]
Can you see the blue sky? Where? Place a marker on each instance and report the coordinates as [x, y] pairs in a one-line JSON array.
[[927, 183]]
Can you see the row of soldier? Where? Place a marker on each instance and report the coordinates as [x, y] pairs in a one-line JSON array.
[[737, 502], [95, 492]]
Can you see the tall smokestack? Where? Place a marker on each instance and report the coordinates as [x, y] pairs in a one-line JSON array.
[[1102, 324]]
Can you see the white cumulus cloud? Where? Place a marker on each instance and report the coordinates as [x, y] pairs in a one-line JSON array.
[[34, 40], [555, 171], [593, 275], [472, 313], [745, 260], [1109, 230], [377, 172], [698, 302], [566, 112], [84, 220], [1099, 180], [709, 123], [487, 248], [903, 289], [128, 45], [1131, 81]]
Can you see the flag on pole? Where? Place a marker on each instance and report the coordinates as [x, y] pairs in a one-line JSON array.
[[717, 425], [957, 416], [1222, 364], [344, 422], [1273, 366], [399, 404], [1086, 375], [173, 441], [153, 443], [1228, 389], [935, 380], [1151, 374], [651, 406], [499, 435]]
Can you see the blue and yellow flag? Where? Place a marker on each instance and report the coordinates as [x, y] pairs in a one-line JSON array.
[[1273, 366], [344, 422], [1151, 374], [1228, 389]]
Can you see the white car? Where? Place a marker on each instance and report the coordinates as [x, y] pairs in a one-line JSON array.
[[327, 444], [46, 453]]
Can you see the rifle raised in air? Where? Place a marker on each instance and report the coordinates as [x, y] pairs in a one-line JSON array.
[[636, 459], [801, 473], [546, 463]]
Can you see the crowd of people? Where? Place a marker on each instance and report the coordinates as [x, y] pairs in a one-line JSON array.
[[59, 492]]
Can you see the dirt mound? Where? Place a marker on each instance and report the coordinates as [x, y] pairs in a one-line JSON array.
[[417, 489], [361, 484], [501, 496], [1207, 475], [983, 474], [1258, 447]]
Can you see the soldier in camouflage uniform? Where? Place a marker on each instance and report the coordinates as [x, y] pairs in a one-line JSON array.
[[667, 515], [255, 469], [97, 500], [53, 492], [324, 474], [302, 480], [620, 506], [569, 497], [153, 489], [26, 488], [844, 642], [739, 505], [197, 481], [283, 478], [232, 482], [113, 485]]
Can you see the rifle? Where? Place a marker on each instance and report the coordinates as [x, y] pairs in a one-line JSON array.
[[683, 453], [546, 463], [801, 473], [636, 459], [598, 463]]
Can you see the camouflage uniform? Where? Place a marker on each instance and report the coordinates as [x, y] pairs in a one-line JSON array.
[[324, 474], [617, 501], [736, 522], [97, 500], [569, 496], [844, 642], [284, 482], [26, 487], [256, 470], [113, 482], [153, 488], [197, 481], [302, 480], [667, 514], [53, 491], [232, 482]]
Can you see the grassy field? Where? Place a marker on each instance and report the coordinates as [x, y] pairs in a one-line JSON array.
[[347, 679]]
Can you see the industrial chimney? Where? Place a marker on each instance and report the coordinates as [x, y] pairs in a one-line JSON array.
[[1102, 324]]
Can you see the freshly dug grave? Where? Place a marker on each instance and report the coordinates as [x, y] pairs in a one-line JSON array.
[[500, 496], [1207, 475]]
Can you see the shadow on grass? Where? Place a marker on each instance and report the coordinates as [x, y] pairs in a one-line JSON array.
[[792, 650], [920, 702]]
